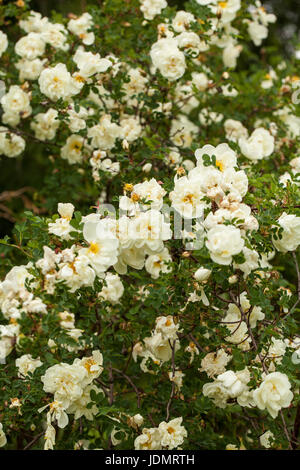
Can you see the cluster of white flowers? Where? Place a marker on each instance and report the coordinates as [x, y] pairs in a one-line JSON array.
[[87, 123], [160, 346], [293, 175], [289, 239], [273, 393], [168, 55], [168, 435], [11, 145], [151, 8], [237, 320], [71, 386], [16, 105], [16, 299], [216, 180], [258, 25], [214, 363], [80, 26]]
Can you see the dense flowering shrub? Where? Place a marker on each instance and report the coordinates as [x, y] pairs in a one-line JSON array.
[[154, 305]]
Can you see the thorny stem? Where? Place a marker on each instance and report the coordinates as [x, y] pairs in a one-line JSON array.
[[132, 384], [173, 383]]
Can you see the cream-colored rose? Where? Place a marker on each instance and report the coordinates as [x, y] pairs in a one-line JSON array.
[[273, 393]]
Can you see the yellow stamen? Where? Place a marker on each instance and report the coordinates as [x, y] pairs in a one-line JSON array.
[[188, 198], [94, 248], [170, 430], [88, 364], [135, 197], [220, 165], [128, 187]]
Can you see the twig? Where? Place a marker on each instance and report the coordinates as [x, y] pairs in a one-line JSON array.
[[286, 430], [173, 383], [31, 443], [132, 384], [298, 286], [111, 386]]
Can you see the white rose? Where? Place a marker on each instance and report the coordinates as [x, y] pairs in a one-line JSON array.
[[257, 32], [89, 64], [224, 241], [16, 104], [11, 145], [290, 237], [113, 289], [230, 54], [187, 198], [65, 210], [131, 128], [26, 364], [168, 58], [202, 274], [151, 8], [3, 43], [235, 130], [72, 150], [104, 134], [214, 363], [34, 22], [208, 118], [189, 40], [56, 82], [172, 433], [30, 69], [200, 80], [30, 47], [148, 440], [80, 27], [233, 383], [265, 439], [225, 156], [258, 146], [167, 327], [182, 20], [45, 125], [160, 347], [182, 131], [55, 34], [158, 263]]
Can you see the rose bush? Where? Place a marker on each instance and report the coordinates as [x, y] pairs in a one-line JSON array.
[[150, 297]]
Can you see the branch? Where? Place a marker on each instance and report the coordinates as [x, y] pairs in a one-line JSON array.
[[173, 383], [298, 286], [132, 384]]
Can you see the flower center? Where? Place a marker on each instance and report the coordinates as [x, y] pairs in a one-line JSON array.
[[220, 165], [189, 198], [89, 363], [94, 248]]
